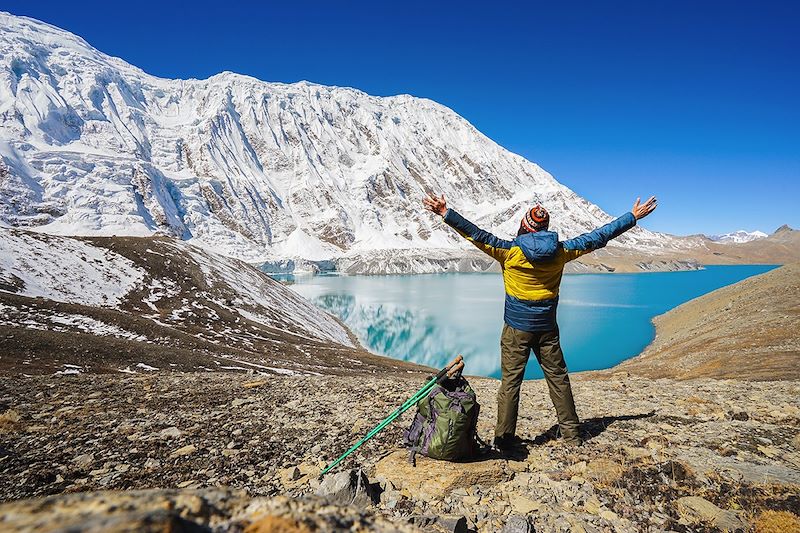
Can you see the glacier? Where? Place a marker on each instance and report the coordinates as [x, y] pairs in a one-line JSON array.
[[294, 176]]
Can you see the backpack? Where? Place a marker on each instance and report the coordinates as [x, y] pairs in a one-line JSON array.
[[445, 426]]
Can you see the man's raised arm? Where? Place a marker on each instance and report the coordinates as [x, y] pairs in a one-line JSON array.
[[483, 240], [594, 240]]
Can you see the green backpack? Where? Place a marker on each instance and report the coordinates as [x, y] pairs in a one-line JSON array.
[[445, 426]]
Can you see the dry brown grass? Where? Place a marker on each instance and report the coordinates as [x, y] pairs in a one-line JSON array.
[[9, 420], [605, 471], [777, 522], [695, 399], [277, 524]]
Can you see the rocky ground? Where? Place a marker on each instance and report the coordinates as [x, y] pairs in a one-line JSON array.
[[208, 397], [660, 455], [748, 330]]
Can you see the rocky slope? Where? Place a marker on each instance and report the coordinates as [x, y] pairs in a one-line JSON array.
[[748, 330], [132, 305]]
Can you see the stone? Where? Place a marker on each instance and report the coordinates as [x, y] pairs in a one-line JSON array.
[[522, 480], [433, 480], [84, 460], [294, 477], [350, 487], [422, 521], [695, 509], [770, 451], [186, 450], [524, 505], [293, 473], [469, 501], [390, 498], [452, 524], [592, 505], [170, 433], [517, 524], [611, 516], [238, 402]]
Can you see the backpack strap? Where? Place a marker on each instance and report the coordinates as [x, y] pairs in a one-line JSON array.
[[412, 456]]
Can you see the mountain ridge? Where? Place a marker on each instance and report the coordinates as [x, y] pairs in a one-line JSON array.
[[258, 170]]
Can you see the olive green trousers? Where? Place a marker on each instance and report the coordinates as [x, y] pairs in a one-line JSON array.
[[515, 348]]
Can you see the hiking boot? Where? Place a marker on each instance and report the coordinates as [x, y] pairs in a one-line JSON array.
[[573, 442], [507, 443]]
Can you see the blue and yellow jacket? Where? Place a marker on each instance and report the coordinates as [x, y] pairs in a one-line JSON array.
[[533, 264]]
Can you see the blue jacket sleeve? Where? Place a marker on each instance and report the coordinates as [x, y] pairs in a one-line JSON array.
[[594, 240], [483, 240]]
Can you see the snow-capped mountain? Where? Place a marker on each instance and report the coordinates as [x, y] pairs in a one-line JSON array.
[[91, 145], [738, 236]]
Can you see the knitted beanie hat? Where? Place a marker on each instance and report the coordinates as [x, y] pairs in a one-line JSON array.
[[536, 219]]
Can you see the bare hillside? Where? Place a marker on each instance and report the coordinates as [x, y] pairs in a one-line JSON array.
[[749, 330], [141, 304]]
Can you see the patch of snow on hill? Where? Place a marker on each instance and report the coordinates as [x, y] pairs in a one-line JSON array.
[[270, 303], [64, 269]]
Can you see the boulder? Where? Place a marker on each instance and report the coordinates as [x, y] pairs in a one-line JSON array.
[[118, 511], [517, 524], [446, 524], [432, 479], [694, 509], [350, 487]]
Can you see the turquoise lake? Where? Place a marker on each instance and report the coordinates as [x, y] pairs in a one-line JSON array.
[[430, 318]]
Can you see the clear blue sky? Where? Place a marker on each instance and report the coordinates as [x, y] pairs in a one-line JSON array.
[[696, 102]]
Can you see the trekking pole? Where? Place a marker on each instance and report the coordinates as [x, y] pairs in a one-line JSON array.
[[455, 366]]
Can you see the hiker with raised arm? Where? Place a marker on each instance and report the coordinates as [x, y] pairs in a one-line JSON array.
[[532, 265]]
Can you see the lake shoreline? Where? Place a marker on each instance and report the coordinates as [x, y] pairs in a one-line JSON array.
[[420, 318], [722, 334]]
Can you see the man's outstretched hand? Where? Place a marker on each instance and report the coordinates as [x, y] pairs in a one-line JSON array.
[[641, 211], [436, 205]]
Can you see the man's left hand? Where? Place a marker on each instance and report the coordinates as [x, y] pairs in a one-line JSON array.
[[642, 210]]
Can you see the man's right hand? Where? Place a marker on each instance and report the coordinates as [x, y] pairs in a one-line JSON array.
[[641, 211], [436, 205]]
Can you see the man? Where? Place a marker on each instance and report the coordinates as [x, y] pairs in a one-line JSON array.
[[532, 265]]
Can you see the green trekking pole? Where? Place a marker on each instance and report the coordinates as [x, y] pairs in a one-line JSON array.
[[456, 365]]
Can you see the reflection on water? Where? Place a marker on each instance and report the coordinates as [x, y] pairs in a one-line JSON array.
[[428, 318]]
